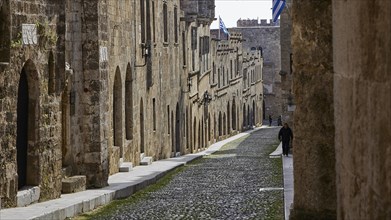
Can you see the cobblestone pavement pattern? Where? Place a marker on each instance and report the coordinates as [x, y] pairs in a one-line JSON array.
[[224, 185]]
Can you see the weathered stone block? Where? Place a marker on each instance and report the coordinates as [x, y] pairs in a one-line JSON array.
[[126, 167], [74, 184], [146, 161], [28, 196], [114, 154]]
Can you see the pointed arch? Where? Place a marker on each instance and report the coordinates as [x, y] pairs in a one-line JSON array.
[[27, 132], [233, 115], [220, 125], [177, 129], [117, 111], [228, 119], [129, 103]]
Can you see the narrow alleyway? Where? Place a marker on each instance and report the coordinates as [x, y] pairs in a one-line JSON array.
[[224, 185]]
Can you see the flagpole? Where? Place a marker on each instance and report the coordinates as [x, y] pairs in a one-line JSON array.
[[219, 27]]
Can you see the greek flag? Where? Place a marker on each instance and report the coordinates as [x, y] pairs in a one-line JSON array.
[[222, 26], [278, 6]]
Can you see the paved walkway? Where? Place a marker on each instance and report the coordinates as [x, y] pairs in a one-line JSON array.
[[121, 185]]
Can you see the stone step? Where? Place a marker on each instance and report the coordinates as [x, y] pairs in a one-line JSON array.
[[73, 184], [146, 161], [126, 167], [28, 195]]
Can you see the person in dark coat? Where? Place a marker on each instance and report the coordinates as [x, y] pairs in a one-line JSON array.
[[270, 120], [286, 136]]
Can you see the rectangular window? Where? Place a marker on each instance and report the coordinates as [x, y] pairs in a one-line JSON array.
[[194, 38], [165, 23], [176, 24], [153, 22], [231, 70], [148, 21], [154, 113], [142, 20], [184, 48]]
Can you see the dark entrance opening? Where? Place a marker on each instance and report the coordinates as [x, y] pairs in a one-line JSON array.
[[22, 129], [141, 127], [177, 130]]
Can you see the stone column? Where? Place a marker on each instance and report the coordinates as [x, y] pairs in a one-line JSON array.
[[362, 52], [94, 94], [314, 154]]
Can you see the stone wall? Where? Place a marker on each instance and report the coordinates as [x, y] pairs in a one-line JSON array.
[[314, 152], [30, 140], [362, 46], [268, 38], [287, 96]]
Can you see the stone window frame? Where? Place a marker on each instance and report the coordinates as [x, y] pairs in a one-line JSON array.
[[165, 22]]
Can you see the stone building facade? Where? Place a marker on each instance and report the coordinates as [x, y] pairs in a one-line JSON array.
[[100, 85], [32, 67], [287, 94], [264, 35], [341, 81]]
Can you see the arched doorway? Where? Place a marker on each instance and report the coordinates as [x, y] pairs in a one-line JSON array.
[[228, 119], [244, 116], [220, 125], [253, 115], [194, 135], [248, 116], [214, 127], [117, 111], [209, 119], [233, 115], [172, 134], [142, 127], [177, 130], [129, 104], [27, 128], [224, 124], [202, 145]]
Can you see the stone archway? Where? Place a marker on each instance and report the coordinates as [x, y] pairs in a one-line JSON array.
[[117, 111], [253, 120], [220, 125], [27, 127], [142, 127], [233, 115], [228, 119], [194, 134], [177, 130], [129, 104], [244, 117]]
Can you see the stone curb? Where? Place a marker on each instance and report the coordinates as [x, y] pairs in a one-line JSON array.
[[121, 185]]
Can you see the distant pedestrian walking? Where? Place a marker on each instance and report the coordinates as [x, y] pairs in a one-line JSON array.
[[279, 121], [270, 120], [286, 136]]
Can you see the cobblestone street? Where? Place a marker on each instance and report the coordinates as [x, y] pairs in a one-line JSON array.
[[224, 185]]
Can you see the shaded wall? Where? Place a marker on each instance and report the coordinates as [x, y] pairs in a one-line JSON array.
[[362, 52], [314, 159]]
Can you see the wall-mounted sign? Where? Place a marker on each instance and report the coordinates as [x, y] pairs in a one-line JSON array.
[[29, 34], [103, 54]]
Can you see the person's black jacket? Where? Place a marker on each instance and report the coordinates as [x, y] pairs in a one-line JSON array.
[[285, 134]]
